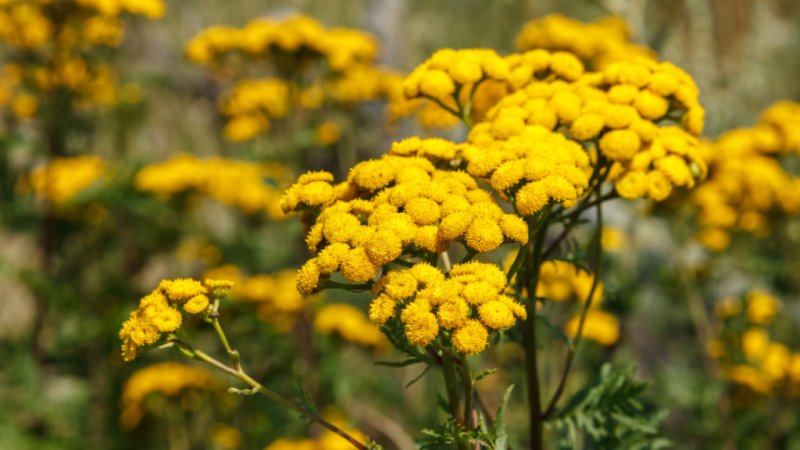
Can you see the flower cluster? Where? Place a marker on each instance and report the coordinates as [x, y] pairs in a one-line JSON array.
[[534, 167], [169, 379], [57, 47], [618, 112], [350, 323], [308, 65], [274, 295], [747, 354], [161, 311], [251, 104], [474, 80], [299, 36], [233, 182], [562, 280], [328, 440], [748, 181], [461, 306], [64, 178], [597, 44], [390, 207]]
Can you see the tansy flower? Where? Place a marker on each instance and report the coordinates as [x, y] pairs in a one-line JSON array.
[[159, 311]]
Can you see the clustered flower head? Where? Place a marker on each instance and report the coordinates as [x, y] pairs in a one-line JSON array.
[[274, 295], [236, 183], [617, 113], [452, 80], [169, 379], [391, 207], [462, 306], [307, 67], [298, 35], [748, 182], [327, 440], [350, 323], [562, 280], [597, 44], [534, 167], [56, 47], [64, 178], [750, 357], [161, 311], [250, 105]]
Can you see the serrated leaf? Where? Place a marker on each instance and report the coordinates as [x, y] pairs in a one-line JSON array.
[[499, 429], [484, 373]]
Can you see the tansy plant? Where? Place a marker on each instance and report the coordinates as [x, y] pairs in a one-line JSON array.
[[548, 143]]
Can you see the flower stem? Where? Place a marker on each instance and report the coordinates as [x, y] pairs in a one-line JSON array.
[[255, 386], [533, 262], [574, 344]]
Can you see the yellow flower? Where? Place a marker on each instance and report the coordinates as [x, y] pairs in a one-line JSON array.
[[169, 379], [327, 133], [755, 342], [496, 315], [599, 326], [471, 338], [350, 323], [620, 145], [761, 307], [182, 289], [196, 304]]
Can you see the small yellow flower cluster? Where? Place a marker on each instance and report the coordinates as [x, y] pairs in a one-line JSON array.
[[64, 178], [617, 111], [475, 77], [452, 74], [462, 306], [58, 43], [393, 206], [160, 311], [169, 379], [327, 133], [599, 326], [350, 323], [153, 9], [760, 308], [276, 300], [250, 105], [298, 35], [328, 440], [345, 73], [751, 358], [534, 166], [233, 182], [747, 181], [597, 44], [561, 280]]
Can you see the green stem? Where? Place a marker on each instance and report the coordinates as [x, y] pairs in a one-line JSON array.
[[233, 354], [451, 386], [533, 261], [574, 344], [468, 393], [258, 387]]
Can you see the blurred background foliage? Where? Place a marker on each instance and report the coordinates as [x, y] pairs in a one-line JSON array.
[[70, 273]]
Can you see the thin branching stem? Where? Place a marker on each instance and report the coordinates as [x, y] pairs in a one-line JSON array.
[[256, 387], [574, 344]]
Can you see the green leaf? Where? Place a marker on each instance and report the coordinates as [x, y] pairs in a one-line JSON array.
[[612, 412], [403, 363], [484, 373], [499, 429]]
